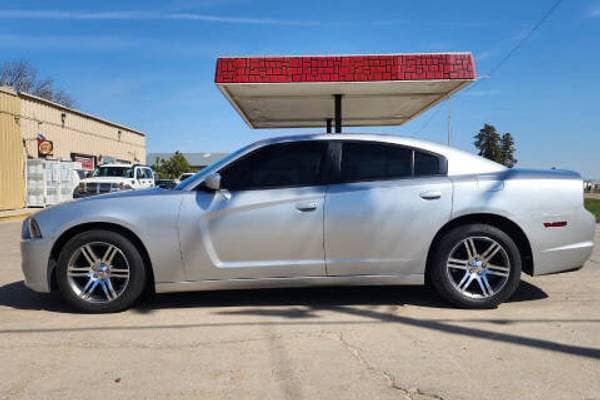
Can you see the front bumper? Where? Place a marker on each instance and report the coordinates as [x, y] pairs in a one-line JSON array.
[[35, 256]]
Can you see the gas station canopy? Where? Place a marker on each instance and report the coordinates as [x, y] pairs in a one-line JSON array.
[[309, 91]]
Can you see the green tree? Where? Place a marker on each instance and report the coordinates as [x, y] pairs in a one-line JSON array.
[[508, 150], [173, 167], [487, 142]]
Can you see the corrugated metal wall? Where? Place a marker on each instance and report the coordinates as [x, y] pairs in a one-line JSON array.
[[23, 117], [77, 133], [12, 181]]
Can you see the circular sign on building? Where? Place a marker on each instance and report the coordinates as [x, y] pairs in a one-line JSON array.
[[45, 148]]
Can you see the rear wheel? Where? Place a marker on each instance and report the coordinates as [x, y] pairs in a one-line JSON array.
[[100, 271], [476, 266]]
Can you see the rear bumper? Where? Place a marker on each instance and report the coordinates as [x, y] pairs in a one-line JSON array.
[[35, 255], [565, 258], [566, 249]]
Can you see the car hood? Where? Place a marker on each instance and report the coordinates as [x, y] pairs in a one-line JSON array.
[[127, 193], [130, 209], [107, 179]]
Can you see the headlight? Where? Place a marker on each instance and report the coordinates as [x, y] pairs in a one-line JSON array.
[[30, 229], [80, 188]]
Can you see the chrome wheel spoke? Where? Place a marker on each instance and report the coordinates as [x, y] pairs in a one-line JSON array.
[[109, 254], [465, 281], [470, 246], [78, 272], [497, 270], [88, 290], [484, 285], [490, 252], [119, 273], [108, 290], [89, 255], [457, 263]]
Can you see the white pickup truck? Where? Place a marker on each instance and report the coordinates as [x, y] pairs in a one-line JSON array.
[[110, 178]]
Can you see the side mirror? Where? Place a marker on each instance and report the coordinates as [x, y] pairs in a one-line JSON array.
[[213, 181]]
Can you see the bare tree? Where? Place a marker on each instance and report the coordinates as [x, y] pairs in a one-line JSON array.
[[61, 97], [19, 75], [23, 77]]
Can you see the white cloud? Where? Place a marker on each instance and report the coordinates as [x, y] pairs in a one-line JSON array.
[[594, 12], [84, 43], [145, 15], [65, 42], [484, 55]]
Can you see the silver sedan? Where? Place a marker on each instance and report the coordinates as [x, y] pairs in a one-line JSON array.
[[317, 210]]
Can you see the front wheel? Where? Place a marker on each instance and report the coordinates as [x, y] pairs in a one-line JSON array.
[[476, 266], [100, 271]]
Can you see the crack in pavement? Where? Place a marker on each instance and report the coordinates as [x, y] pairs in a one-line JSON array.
[[160, 346], [408, 393]]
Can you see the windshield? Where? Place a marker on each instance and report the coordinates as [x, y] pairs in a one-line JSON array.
[[122, 172]]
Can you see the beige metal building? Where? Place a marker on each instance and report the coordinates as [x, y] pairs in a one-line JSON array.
[[76, 136]]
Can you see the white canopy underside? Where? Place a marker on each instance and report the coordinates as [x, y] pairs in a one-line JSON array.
[[310, 104]]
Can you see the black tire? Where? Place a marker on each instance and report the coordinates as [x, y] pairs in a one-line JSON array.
[[131, 291], [442, 281]]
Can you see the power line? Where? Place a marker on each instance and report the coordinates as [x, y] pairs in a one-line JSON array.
[[428, 121], [525, 38], [504, 59]]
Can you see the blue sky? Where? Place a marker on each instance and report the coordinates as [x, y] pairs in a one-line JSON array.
[[150, 64]]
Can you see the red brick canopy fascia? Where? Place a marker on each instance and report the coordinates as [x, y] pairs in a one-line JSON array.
[[364, 68]]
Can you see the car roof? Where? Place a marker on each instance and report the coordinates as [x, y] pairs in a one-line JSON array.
[[459, 162], [385, 138]]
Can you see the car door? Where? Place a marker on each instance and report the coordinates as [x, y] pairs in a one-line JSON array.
[[265, 222], [139, 178], [148, 178], [384, 209]]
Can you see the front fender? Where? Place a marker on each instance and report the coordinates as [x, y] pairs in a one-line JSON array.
[[152, 219]]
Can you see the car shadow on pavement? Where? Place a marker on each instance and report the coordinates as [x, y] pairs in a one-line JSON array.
[[315, 296], [342, 301], [17, 295]]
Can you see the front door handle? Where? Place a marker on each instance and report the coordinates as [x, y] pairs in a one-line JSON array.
[[430, 195], [307, 206]]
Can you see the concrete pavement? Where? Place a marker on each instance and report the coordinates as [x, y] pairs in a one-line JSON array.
[[350, 343]]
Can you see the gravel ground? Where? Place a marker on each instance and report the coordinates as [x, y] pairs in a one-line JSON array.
[[350, 343]]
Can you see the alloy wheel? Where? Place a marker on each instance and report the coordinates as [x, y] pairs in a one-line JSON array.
[[478, 267], [98, 272]]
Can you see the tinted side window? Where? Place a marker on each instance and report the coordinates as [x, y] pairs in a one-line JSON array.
[[426, 164], [278, 165], [372, 161]]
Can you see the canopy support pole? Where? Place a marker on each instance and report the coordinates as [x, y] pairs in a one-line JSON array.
[[338, 112], [449, 121], [328, 121]]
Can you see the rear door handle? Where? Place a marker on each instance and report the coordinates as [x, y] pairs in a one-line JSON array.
[[430, 195], [307, 206]]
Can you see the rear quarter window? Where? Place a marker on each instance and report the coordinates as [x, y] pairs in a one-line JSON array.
[[427, 164]]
